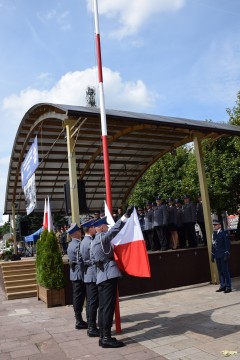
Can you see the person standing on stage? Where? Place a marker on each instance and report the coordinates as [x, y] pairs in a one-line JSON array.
[[90, 278], [101, 253], [77, 275]]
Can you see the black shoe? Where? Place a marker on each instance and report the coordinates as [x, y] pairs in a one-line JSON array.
[[81, 325], [227, 291], [100, 340], [111, 343], [93, 332], [221, 289]]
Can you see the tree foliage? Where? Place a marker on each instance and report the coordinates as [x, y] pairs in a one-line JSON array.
[[175, 175], [49, 263]]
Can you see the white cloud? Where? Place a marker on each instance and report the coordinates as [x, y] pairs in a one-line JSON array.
[[71, 90], [130, 15]]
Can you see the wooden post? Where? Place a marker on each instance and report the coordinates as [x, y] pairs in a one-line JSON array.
[[206, 206], [69, 124], [13, 226]]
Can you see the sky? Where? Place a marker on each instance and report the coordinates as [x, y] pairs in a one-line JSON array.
[[167, 57]]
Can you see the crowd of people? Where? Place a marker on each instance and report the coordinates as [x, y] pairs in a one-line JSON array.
[[171, 224]]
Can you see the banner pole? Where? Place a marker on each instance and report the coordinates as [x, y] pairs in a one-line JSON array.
[[104, 139]]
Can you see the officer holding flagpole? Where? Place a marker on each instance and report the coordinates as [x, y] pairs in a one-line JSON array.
[[101, 254]]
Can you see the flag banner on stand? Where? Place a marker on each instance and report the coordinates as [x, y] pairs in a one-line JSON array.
[[50, 222], [130, 249], [110, 220], [30, 194], [45, 216]]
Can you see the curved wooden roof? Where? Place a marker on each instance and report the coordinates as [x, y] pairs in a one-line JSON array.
[[135, 141]]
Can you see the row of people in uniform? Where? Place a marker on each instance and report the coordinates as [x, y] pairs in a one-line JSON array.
[[172, 224], [94, 275]]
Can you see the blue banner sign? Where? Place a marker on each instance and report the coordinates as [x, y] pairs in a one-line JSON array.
[[30, 163]]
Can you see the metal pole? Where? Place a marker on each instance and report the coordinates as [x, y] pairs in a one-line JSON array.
[[105, 141], [102, 111]]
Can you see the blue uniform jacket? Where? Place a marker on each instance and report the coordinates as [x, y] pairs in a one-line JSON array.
[[91, 274], [220, 244], [74, 255], [101, 250], [160, 215]]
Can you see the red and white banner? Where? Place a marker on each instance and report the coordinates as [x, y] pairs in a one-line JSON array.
[[47, 216], [130, 249]]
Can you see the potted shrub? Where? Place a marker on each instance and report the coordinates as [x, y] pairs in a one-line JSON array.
[[49, 270]]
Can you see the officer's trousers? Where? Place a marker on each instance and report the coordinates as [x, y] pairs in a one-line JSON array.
[[224, 276], [92, 303], [107, 291], [79, 295], [162, 237]]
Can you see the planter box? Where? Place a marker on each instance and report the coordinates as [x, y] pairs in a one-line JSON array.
[[52, 297]]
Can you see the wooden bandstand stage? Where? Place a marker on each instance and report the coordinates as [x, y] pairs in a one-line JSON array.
[[170, 269]]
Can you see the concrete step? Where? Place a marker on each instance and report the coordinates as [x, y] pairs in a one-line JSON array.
[[20, 288], [21, 295]]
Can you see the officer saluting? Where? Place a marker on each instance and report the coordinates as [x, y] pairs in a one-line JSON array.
[[76, 274], [90, 278], [101, 253]]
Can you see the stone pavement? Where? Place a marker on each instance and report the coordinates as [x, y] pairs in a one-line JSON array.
[[192, 322]]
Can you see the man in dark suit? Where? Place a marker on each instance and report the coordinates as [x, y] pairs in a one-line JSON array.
[[221, 253], [77, 275]]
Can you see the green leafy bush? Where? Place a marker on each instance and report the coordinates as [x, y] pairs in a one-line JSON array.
[[49, 263]]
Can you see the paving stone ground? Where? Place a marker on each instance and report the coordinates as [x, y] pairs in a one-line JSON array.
[[190, 323]]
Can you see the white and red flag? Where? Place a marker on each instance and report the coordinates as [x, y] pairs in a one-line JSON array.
[[50, 222], [130, 249], [47, 217]]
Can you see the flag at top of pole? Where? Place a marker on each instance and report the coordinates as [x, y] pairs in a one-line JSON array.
[[102, 111]]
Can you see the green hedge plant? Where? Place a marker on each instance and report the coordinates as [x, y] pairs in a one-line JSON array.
[[49, 263]]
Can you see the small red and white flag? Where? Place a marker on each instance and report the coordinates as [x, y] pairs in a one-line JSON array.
[[47, 216], [50, 222], [130, 249]]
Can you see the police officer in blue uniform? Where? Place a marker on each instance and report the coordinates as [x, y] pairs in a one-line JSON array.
[[189, 221], [90, 278], [101, 253], [221, 253], [148, 227], [160, 221], [77, 275]]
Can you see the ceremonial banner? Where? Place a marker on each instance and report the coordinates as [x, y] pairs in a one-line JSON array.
[[130, 249], [30, 194], [30, 163]]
